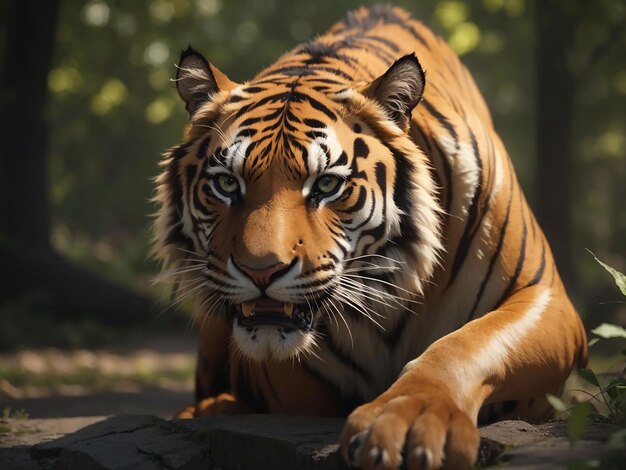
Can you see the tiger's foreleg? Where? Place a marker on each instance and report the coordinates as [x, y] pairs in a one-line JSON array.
[[212, 388], [427, 418]]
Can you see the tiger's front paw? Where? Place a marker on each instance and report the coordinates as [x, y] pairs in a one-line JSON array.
[[223, 404], [423, 430]]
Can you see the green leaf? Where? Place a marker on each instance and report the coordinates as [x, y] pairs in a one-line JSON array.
[[607, 330], [577, 423], [620, 279], [589, 376], [611, 392], [556, 403], [593, 341]]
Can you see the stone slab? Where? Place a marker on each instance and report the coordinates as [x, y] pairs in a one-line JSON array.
[[253, 441], [269, 441]]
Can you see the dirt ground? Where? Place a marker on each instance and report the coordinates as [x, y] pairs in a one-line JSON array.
[[154, 376]]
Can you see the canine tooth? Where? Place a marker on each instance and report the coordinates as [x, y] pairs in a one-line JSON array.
[[288, 309], [247, 308]]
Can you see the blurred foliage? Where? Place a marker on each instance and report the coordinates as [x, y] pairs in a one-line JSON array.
[[31, 322], [113, 108]]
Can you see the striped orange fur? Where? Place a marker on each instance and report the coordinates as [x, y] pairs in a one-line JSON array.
[[357, 244]]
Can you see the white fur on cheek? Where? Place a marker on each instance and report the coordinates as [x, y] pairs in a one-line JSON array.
[[263, 342]]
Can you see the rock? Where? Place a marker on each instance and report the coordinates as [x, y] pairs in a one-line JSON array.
[[550, 454], [114, 425], [22, 434], [254, 441], [270, 441], [497, 437], [512, 433], [149, 448]]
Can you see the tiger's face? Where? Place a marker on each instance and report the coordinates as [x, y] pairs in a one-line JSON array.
[[288, 205]]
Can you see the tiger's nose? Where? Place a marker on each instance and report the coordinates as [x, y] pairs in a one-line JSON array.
[[264, 276]]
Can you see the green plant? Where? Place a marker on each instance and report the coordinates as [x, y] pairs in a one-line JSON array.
[[608, 400], [8, 412]]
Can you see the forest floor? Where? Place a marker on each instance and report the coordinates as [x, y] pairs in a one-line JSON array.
[[152, 376]]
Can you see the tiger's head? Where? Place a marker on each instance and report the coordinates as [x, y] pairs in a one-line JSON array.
[[295, 199]]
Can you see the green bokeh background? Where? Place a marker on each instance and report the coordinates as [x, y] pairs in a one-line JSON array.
[[113, 108]]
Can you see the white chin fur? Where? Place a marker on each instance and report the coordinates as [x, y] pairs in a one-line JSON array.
[[264, 342]]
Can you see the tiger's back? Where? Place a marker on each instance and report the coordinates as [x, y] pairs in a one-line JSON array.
[[492, 244], [379, 211]]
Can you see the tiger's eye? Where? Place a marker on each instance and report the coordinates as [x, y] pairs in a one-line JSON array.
[[327, 184], [228, 183]]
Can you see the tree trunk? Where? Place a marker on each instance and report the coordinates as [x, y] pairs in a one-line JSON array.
[[555, 94], [29, 45], [29, 264]]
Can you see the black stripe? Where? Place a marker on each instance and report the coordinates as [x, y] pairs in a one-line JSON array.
[[314, 123], [320, 107], [520, 260], [203, 148], [496, 255], [540, 270], [319, 282], [392, 338], [361, 150], [470, 224], [235, 99], [446, 164], [246, 133], [250, 121], [342, 160], [342, 357], [270, 385], [245, 393], [349, 403], [387, 42], [370, 215]]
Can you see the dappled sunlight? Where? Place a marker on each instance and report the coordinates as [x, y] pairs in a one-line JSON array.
[[153, 366]]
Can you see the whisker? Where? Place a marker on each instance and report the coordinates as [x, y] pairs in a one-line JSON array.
[[360, 307], [168, 274], [344, 321], [373, 255], [358, 276], [356, 295], [374, 297], [187, 295], [372, 290]]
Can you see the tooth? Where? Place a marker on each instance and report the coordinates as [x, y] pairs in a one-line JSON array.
[[248, 308], [288, 309]]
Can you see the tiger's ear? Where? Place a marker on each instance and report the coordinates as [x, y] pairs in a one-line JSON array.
[[399, 89], [197, 80]]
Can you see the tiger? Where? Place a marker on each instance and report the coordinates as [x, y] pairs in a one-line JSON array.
[[354, 239]]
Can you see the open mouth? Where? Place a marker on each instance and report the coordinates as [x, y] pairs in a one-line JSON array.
[[267, 311]]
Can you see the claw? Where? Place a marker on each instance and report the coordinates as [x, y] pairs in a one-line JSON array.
[[354, 449], [424, 456]]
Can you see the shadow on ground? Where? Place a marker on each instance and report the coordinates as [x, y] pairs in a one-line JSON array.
[[256, 441]]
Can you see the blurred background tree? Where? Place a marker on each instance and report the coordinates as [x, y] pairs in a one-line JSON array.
[[553, 73]]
